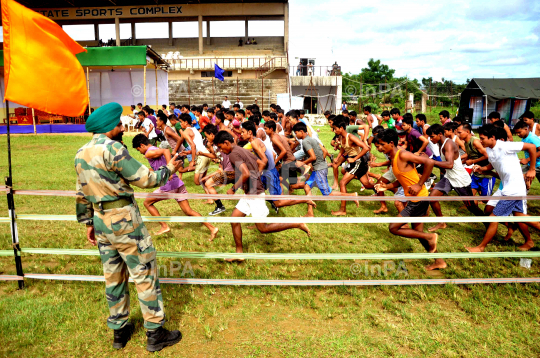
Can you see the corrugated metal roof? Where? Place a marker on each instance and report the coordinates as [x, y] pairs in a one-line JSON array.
[[508, 87]]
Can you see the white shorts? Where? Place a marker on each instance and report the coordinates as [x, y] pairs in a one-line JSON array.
[[254, 207], [400, 193], [389, 175], [493, 202]]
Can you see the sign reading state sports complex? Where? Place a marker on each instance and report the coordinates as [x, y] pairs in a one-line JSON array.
[[84, 13], [110, 12]]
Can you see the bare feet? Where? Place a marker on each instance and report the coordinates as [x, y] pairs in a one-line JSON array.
[[437, 265], [312, 203], [335, 187], [527, 246], [381, 210], [209, 202], [433, 243], [235, 260], [475, 249], [510, 233], [356, 201], [305, 229], [251, 227], [163, 231], [213, 233], [339, 213], [439, 226]]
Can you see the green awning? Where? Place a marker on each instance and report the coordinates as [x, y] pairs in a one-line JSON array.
[[108, 56], [113, 56]]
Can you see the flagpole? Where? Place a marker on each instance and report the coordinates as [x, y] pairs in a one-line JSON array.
[[11, 206]]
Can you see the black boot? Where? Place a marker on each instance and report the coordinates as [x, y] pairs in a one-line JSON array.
[[161, 338], [123, 335]]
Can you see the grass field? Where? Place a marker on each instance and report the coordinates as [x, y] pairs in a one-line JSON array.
[[68, 318]]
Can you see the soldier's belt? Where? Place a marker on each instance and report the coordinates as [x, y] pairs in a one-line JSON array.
[[108, 205]]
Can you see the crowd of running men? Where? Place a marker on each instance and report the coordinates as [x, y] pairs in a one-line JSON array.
[[281, 153]]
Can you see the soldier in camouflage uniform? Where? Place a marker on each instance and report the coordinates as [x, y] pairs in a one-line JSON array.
[[105, 203]]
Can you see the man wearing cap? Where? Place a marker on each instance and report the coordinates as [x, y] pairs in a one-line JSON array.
[[105, 203]]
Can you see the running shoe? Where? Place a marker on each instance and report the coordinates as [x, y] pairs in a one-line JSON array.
[[274, 207], [217, 211]]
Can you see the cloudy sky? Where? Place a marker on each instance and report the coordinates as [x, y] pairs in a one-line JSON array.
[[454, 39]]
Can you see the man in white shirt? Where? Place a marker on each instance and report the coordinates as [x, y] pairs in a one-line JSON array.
[[239, 102], [503, 158], [148, 128], [226, 103]]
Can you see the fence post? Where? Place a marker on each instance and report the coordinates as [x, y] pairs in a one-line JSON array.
[[11, 207]]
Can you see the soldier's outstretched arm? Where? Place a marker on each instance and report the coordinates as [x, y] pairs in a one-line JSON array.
[[134, 172]]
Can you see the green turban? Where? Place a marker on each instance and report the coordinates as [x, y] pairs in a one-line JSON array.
[[104, 119]]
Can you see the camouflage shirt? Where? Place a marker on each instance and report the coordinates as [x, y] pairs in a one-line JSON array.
[[105, 171]]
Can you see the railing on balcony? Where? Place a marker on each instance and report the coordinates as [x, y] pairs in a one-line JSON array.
[[271, 65], [232, 63], [308, 70]]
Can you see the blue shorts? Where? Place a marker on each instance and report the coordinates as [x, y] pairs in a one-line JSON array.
[[319, 178], [270, 180], [483, 185], [507, 207], [436, 158]]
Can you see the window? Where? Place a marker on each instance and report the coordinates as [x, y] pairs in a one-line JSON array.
[[188, 29], [152, 30], [227, 29], [80, 32], [108, 31], [266, 28], [212, 73]]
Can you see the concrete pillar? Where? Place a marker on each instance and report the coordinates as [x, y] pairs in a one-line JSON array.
[[286, 25], [200, 36], [117, 29], [170, 34], [247, 32], [424, 102], [133, 36], [207, 32], [96, 32]]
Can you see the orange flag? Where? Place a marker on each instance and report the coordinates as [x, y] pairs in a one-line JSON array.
[[40, 67]]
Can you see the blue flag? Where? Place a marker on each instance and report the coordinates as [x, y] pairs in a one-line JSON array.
[[218, 73]]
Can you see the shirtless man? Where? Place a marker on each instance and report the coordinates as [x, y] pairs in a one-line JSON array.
[[315, 157], [494, 117], [528, 119], [267, 167], [356, 153], [456, 177], [476, 154], [404, 168], [199, 163], [225, 173], [289, 170]]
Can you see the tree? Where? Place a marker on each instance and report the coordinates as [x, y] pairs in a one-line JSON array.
[[376, 72]]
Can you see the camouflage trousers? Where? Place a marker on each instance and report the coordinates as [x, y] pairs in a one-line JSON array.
[[126, 250]]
